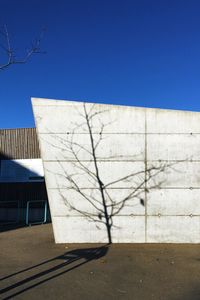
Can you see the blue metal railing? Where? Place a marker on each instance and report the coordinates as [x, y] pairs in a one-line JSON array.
[[28, 208]]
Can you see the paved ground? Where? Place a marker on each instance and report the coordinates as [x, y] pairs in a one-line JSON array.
[[33, 267]]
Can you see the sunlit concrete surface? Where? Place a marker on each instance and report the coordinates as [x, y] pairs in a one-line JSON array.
[[133, 172]]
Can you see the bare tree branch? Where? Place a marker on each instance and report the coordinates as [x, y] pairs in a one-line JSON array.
[[10, 53]]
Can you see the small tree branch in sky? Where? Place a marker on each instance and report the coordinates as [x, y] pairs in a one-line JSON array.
[[9, 53]]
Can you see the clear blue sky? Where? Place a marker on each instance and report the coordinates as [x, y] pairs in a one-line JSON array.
[[142, 53]]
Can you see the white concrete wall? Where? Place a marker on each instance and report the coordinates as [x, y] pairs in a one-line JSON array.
[[153, 154]]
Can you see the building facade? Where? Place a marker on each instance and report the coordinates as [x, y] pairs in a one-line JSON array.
[[120, 174], [21, 177]]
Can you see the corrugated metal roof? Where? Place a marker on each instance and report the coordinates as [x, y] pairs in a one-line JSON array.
[[19, 143]]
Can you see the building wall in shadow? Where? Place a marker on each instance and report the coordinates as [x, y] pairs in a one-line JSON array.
[[21, 178]]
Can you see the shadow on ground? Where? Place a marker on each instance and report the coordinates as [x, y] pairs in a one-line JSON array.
[[77, 257], [13, 226], [33, 267]]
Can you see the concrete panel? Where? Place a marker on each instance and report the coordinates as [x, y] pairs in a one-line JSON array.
[[69, 229], [175, 175], [151, 153], [110, 147], [174, 202], [173, 229], [113, 174], [166, 147], [172, 121], [129, 229], [90, 201], [64, 116]]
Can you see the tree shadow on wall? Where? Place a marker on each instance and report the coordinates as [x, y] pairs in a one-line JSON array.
[[100, 178], [69, 261]]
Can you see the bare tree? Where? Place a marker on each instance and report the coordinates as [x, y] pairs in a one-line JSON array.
[[9, 55], [103, 204]]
